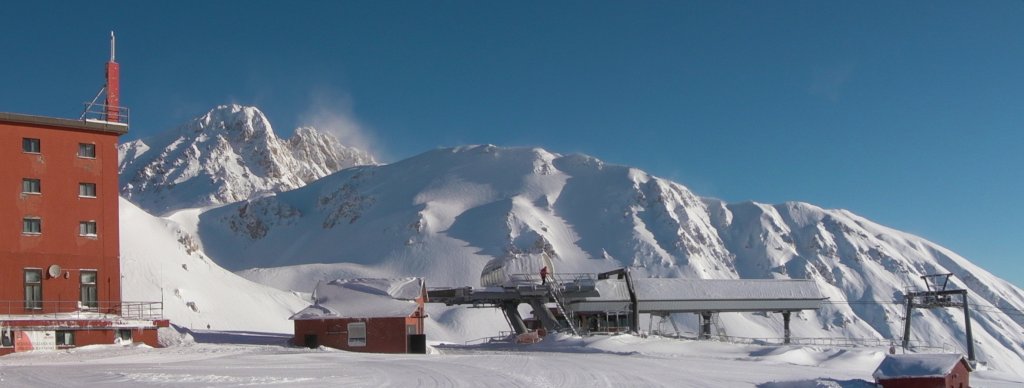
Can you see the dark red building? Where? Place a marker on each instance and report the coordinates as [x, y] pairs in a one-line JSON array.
[[365, 315], [60, 285], [923, 371]]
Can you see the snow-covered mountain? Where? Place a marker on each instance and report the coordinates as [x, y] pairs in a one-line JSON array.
[[445, 213], [161, 262], [229, 154]]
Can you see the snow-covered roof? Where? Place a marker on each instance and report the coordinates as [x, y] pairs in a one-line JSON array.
[[917, 365], [364, 298], [724, 289], [682, 295]]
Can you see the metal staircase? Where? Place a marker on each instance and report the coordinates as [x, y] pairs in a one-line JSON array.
[[716, 320], [556, 293]]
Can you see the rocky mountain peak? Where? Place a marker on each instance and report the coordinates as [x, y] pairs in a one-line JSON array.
[[228, 154]]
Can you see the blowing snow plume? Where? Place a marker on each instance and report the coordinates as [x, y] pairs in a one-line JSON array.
[[334, 115]]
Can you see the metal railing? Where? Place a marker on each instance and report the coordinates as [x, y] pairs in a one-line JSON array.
[[21, 309], [559, 278], [100, 112], [838, 342], [502, 337]]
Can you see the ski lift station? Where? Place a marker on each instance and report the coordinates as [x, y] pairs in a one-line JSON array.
[[613, 301]]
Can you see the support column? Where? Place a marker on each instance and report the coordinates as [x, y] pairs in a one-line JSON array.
[[512, 312], [906, 321], [542, 312], [705, 325], [970, 336], [785, 325]]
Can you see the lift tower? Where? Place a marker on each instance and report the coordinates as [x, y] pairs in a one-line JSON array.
[[938, 295]]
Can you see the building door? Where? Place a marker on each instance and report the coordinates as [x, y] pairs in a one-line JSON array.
[[417, 343], [311, 341]]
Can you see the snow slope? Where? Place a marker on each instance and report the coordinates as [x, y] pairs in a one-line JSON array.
[[160, 262], [228, 154], [443, 214]]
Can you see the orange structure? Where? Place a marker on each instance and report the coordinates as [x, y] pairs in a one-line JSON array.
[[60, 285]]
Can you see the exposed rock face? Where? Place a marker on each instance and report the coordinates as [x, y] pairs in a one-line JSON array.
[[227, 155]]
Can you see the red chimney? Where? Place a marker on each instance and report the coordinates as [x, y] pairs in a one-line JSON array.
[[113, 85]]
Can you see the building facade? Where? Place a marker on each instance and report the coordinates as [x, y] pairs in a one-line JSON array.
[[60, 285], [365, 315], [923, 371]]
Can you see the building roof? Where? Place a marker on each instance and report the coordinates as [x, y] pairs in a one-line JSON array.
[[697, 295], [917, 365], [724, 289], [88, 125], [364, 298]]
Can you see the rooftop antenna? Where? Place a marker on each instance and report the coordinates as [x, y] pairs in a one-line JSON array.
[[113, 84], [110, 110]]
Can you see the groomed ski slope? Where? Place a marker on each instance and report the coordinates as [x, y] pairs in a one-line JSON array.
[[620, 361]]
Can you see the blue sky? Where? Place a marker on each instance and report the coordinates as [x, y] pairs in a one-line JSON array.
[[908, 113]]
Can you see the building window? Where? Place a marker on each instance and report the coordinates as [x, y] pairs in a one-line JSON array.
[[30, 186], [65, 338], [31, 226], [6, 338], [86, 150], [30, 145], [87, 190], [88, 298], [87, 228], [33, 289], [123, 336], [357, 334], [410, 329]]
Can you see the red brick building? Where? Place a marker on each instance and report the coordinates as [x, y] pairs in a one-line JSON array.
[[60, 285], [923, 371], [365, 315]]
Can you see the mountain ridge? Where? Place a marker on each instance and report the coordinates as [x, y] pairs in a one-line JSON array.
[[228, 154], [444, 213]]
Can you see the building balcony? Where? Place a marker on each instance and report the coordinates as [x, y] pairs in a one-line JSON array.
[[20, 310]]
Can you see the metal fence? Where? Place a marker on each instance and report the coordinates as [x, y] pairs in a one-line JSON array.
[[99, 112], [839, 342], [21, 309]]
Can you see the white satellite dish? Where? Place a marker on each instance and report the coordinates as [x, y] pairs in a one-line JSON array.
[[54, 271]]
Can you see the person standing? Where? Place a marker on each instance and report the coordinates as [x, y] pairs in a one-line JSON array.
[[544, 275]]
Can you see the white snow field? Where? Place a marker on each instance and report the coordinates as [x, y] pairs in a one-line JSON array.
[[618, 361]]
